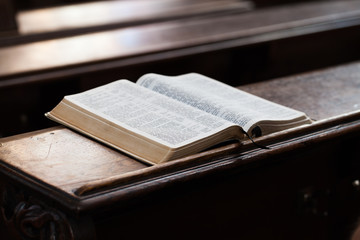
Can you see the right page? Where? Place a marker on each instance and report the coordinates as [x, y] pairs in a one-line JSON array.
[[255, 115]]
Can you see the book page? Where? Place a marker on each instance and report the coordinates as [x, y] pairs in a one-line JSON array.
[[219, 99], [148, 113]]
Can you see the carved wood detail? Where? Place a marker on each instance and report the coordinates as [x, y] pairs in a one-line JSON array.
[[28, 219]]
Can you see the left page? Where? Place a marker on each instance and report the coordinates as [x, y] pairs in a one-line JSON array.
[[147, 116]]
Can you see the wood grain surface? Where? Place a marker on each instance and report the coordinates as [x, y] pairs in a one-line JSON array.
[[65, 159], [321, 94]]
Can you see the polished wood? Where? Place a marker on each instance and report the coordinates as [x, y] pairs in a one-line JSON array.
[[298, 189], [105, 15], [75, 19], [82, 171], [65, 57], [322, 94]]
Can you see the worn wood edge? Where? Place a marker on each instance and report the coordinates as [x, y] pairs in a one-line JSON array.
[[29, 181], [241, 160], [29, 134], [349, 19], [41, 188], [156, 170], [287, 136], [127, 186]]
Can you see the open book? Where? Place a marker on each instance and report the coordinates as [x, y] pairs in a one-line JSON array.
[[160, 118]]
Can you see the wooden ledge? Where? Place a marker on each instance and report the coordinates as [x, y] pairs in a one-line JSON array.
[[84, 173], [230, 155]]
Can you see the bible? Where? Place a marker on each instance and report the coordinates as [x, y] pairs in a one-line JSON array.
[[161, 118]]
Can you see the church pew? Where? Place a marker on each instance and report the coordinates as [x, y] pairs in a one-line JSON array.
[[64, 57], [75, 19], [306, 186], [236, 49]]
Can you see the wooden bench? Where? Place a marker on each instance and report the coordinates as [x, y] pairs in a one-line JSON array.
[[305, 187], [237, 49], [75, 19], [66, 57]]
